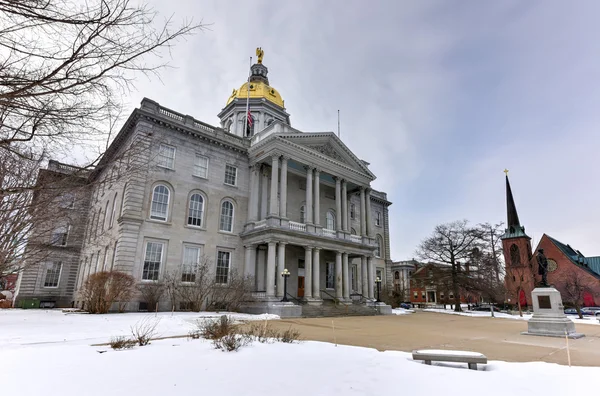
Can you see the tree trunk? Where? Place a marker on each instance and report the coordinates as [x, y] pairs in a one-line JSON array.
[[520, 308], [578, 308]]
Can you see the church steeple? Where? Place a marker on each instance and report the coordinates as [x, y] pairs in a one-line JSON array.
[[513, 225]]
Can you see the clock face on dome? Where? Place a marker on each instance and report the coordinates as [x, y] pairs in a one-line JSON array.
[[552, 266]]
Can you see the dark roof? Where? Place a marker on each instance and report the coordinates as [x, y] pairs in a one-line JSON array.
[[514, 228], [591, 264]]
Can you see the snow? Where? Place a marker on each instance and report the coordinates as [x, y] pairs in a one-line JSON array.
[[49, 353], [502, 315], [402, 311], [448, 352]]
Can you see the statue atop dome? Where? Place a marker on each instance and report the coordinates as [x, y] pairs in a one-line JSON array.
[[260, 53]]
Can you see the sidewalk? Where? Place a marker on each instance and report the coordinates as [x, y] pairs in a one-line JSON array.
[[498, 339]]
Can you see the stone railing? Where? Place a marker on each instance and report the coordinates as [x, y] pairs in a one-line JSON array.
[[170, 113], [260, 224], [329, 233], [297, 226], [356, 238]]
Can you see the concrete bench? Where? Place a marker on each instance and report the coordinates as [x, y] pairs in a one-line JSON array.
[[440, 355]]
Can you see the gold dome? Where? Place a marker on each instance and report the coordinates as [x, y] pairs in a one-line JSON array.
[[258, 89]]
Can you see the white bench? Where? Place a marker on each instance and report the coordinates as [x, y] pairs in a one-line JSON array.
[[440, 355]]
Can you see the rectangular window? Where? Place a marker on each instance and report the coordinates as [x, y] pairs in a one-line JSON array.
[[377, 218], [191, 260], [416, 295], [59, 236], [379, 274], [67, 201], [230, 175], [52, 274], [201, 166], [354, 277], [329, 276], [352, 211], [166, 156], [152, 260], [223, 262], [422, 294]]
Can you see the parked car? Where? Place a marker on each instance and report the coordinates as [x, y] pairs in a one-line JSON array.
[[485, 307], [571, 311], [406, 306], [591, 311]]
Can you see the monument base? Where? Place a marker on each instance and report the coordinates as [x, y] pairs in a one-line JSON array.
[[549, 318]]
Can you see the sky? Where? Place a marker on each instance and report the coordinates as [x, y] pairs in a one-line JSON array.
[[439, 96]]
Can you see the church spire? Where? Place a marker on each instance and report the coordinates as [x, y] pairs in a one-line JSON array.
[[511, 210]]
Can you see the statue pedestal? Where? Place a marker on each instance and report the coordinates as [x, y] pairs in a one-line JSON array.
[[549, 318]]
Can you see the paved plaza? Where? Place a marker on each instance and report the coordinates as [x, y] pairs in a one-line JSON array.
[[498, 339]]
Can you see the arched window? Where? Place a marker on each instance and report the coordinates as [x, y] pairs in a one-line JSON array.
[[515, 256], [330, 220], [396, 275], [250, 125], [303, 214], [114, 210], [226, 222], [352, 231], [160, 203], [96, 233], [106, 212], [196, 210], [379, 246]]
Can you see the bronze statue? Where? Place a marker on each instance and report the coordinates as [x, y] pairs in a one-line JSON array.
[[260, 53], [542, 267]]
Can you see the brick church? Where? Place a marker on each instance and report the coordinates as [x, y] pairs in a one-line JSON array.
[[576, 276]]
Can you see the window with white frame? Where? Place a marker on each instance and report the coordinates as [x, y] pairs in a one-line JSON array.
[[379, 246], [60, 236], [114, 211], [166, 156], [377, 218], [352, 211], [226, 221], [52, 277], [106, 214], [329, 276], [67, 201], [201, 166], [160, 203], [152, 260], [230, 175], [223, 263], [195, 210], [354, 277], [422, 294], [190, 263], [330, 220], [303, 214]]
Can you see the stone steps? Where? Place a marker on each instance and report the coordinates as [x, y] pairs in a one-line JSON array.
[[328, 309]]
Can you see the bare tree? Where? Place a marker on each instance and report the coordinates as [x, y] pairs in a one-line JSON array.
[[451, 244], [492, 248], [102, 289], [151, 293], [230, 296], [573, 288]]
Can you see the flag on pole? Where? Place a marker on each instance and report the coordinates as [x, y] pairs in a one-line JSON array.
[[250, 120], [248, 115]]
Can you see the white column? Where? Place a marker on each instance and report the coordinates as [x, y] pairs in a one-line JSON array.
[[309, 196], [264, 193], [261, 263], [344, 213], [250, 262], [363, 212], [371, 273], [338, 204], [316, 284], [274, 208], [338, 275], [317, 200], [364, 278], [308, 272], [280, 267], [345, 275], [271, 253], [253, 204], [368, 212], [283, 187]]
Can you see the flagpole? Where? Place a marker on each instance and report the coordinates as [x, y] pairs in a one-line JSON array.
[[248, 98]]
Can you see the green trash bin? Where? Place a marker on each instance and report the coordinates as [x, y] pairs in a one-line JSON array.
[[30, 304]]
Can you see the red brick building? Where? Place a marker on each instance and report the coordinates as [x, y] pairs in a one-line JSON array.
[[430, 284], [576, 277]]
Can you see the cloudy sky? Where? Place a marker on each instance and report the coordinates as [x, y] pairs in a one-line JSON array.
[[439, 96]]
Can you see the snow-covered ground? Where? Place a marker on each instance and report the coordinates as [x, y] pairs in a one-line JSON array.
[[487, 314], [36, 360], [402, 311]]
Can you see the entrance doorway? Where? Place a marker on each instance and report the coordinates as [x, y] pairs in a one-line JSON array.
[[431, 296], [300, 286]]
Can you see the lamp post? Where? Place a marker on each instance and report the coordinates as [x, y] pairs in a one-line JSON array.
[[378, 283], [285, 274]]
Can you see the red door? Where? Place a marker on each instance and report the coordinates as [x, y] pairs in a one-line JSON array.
[[588, 299], [522, 298]]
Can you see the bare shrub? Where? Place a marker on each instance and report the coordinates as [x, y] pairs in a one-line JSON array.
[[232, 342], [121, 342], [151, 293], [102, 289], [289, 336], [194, 334], [262, 333], [144, 330], [215, 329], [230, 296]]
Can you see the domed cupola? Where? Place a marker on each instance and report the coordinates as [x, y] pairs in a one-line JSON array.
[[264, 103]]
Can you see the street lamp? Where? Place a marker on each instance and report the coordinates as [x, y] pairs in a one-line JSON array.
[[285, 274], [378, 283]]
